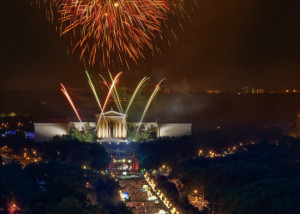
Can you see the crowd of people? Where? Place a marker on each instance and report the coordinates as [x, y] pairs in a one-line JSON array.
[[195, 197], [139, 195]]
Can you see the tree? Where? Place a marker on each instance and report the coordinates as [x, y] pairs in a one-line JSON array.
[[100, 161], [69, 205], [83, 136], [79, 155]]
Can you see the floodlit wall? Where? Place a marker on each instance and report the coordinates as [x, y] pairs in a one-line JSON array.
[[174, 129], [78, 125], [46, 131], [147, 125]]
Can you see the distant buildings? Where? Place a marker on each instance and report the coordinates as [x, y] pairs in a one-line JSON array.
[[246, 90], [257, 91], [11, 124], [213, 91]]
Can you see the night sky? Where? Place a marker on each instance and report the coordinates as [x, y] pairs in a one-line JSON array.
[[230, 44]]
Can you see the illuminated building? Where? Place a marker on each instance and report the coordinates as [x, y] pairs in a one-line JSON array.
[[213, 91], [257, 91], [112, 127]]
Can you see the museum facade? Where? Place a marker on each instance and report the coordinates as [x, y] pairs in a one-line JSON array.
[[111, 126]]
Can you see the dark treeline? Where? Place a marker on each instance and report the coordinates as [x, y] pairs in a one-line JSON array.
[[74, 151], [262, 178], [171, 151], [165, 151], [62, 181], [57, 187], [171, 192]]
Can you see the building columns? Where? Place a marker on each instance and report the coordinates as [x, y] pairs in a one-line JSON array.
[[112, 128]]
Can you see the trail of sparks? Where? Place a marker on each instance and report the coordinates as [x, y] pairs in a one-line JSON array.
[[65, 92], [114, 82], [137, 89], [157, 88], [112, 91], [94, 90], [116, 97], [96, 96], [120, 28], [118, 104], [141, 83], [116, 33]]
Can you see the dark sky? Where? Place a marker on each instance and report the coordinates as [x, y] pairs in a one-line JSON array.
[[230, 44]]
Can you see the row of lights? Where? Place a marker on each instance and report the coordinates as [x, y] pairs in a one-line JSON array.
[[123, 160], [167, 203], [120, 192], [212, 154]]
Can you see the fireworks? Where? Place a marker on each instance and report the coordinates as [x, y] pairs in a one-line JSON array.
[[120, 28], [115, 33], [112, 86], [65, 92], [157, 88], [94, 90], [141, 83], [112, 92]]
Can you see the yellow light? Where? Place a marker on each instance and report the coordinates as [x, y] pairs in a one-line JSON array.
[[116, 4]]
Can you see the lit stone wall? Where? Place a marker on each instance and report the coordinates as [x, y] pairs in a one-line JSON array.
[[46, 131], [146, 125], [174, 129], [78, 125]]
